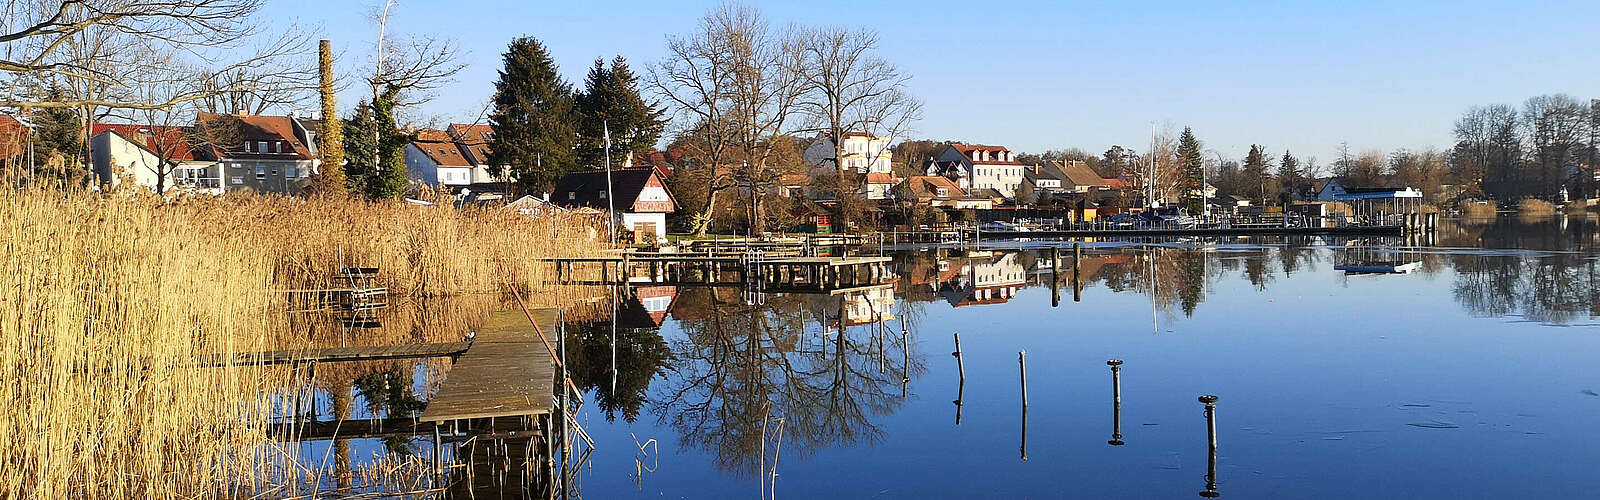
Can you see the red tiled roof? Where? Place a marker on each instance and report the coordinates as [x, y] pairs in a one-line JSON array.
[[172, 141], [254, 129], [967, 149], [474, 139], [439, 147], [927, 186], [883, 178], [13, 137], [794, 179]]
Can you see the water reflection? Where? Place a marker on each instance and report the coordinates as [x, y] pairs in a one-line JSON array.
[[732, 375], [738, 364]]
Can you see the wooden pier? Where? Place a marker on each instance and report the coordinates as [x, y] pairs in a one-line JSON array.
[[771, 273], [338, 354], [508, 372]]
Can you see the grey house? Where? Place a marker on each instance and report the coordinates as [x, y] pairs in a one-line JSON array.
[[263, 154]]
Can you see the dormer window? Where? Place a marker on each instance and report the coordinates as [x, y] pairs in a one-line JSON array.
[[572, 195], [261, 146], [942, 192]]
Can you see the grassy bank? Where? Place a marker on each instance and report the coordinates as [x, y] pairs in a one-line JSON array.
[[104, 302]]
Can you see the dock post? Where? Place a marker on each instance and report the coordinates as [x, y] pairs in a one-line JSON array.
[[1022, 365], [1211, 437], [1116, 402], [437, 449]]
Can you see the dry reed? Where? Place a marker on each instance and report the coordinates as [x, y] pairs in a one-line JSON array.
[[1479, 209], [107, 300], [1535, 207]]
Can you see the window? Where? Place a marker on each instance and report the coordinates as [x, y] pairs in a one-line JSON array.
[[277, 146], [305, 172], [572, 195], [943, 192], [261, 146], [602, 194], [237, 179], [261, 171]]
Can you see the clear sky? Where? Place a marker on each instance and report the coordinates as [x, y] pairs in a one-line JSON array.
[[1042, 75]]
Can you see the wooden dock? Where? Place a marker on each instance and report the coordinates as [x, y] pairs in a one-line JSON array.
[[507, 373], [1233, 231], [337, 354]]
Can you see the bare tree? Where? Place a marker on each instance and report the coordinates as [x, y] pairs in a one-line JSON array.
[[80, 40], [733, 82], [849, 89]]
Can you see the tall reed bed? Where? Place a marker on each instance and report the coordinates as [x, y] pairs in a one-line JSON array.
[[105, 303]]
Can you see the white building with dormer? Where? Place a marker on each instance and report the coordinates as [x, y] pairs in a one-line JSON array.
[[977, 168]]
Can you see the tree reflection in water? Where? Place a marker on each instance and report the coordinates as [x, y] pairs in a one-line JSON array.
[[641, 356], [739, 364]]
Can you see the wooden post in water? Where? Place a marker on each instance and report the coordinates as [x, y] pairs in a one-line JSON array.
[[1211, 437], [1022, 366], [1055, 276], [1116, 402]]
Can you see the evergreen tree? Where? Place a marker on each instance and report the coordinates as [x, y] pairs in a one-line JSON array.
[[360, 149], [1289, 172], [532, 118], [611, 99], [1193, 184], [1255, 173], [375, 149], [390, 179]]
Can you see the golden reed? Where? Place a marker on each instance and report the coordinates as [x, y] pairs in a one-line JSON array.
[[105, 302]]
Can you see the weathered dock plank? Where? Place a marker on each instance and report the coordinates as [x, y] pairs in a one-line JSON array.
[[337, 354], [508, 372]]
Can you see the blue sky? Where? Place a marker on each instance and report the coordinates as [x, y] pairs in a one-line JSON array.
[[1041, 75]]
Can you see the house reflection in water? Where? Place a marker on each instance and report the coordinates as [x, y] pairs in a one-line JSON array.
[[982, 281], [868, 306]]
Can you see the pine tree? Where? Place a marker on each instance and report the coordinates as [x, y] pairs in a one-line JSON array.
[[330, 134], [611, 99], [1289, 172], [360, 148], [389, 181], [1255, 172], [532, 118], [1193, 184]]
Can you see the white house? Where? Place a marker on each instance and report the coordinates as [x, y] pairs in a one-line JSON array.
[[474, 141], [433, 158], [864, 153], [977, 167], [144, 154], [640, 199]]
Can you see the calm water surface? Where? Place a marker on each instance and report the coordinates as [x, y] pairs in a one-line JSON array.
[[1469, 372], [1471, 375]]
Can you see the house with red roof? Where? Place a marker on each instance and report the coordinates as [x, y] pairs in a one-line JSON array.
[[254, 153], [977, 167], [639, 197], [149, 156], [436, 159]]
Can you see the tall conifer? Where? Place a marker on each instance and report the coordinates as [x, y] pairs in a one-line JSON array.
[[532, 118], [1193, 184], [611, 99]]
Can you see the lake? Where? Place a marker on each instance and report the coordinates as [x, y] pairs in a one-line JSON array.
[[1460, 365]]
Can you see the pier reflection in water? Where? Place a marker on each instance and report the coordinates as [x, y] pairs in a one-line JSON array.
[[811, 394]]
